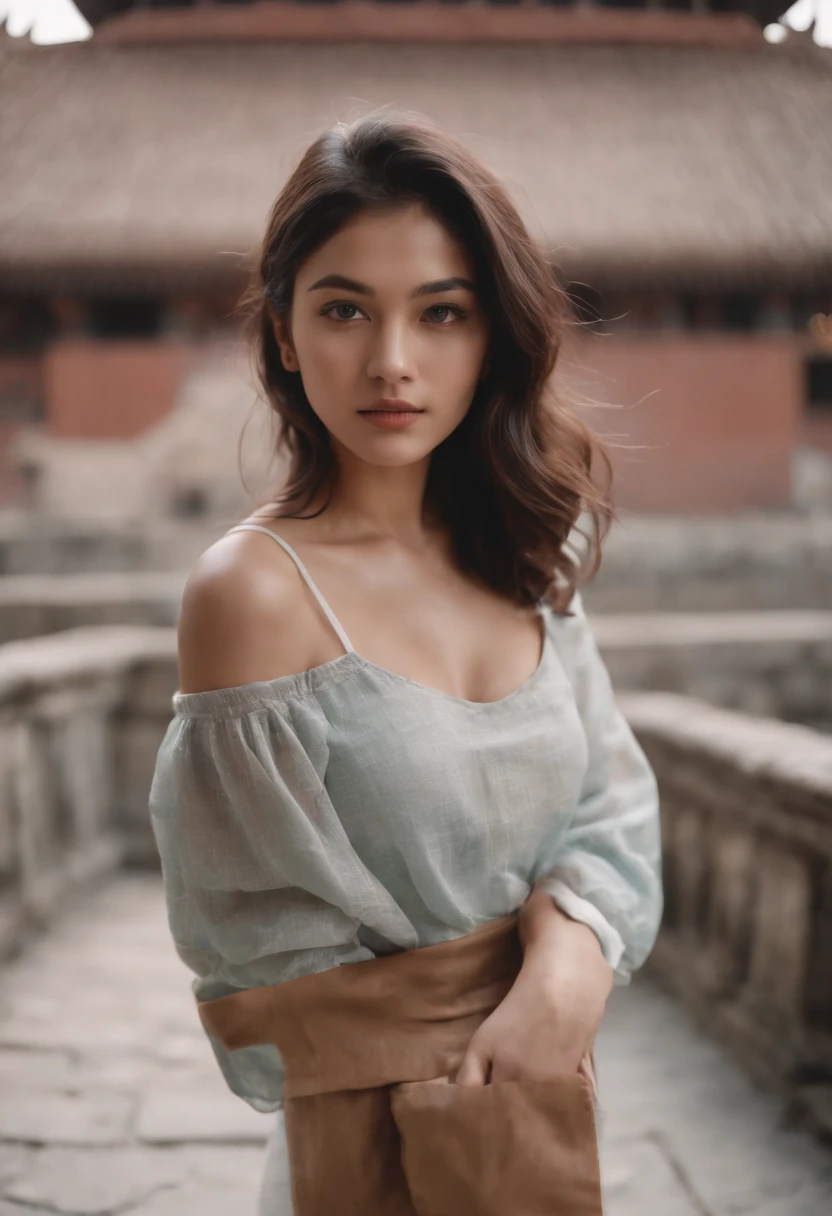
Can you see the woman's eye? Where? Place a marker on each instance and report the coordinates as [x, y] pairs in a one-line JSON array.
[[341, 311], [446, 313]]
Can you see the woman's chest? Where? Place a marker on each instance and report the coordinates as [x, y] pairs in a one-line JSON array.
[[420, 776]]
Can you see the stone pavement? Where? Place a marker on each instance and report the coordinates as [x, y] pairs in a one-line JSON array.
[[110, 1100]]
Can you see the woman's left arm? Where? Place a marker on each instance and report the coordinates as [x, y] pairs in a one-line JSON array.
[[593, 918], [608, 872]]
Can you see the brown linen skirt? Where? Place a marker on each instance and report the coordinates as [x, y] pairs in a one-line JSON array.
[[375, 1125]]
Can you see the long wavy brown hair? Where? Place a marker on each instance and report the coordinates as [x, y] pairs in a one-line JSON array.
[[514, 478]]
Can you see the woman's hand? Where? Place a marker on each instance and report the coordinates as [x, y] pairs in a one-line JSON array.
[[547, 1022]]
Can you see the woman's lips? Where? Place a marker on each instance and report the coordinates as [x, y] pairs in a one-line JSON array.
[[395, 420]]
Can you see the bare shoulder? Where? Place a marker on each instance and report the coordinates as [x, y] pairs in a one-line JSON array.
[[244, 616]]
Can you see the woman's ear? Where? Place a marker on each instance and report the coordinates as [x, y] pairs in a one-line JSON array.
[[282, 337]]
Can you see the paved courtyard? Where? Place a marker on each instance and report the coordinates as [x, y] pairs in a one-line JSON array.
[[110, 1101]]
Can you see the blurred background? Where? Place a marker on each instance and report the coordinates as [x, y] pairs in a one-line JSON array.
[[674, 157]]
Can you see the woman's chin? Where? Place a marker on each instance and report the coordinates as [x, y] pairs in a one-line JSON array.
[[391, 449], [400, 459]]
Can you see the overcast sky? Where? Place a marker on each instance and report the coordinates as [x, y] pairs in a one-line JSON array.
[[60, 21]]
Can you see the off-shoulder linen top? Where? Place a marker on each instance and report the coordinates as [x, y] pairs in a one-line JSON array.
[[329, 817]]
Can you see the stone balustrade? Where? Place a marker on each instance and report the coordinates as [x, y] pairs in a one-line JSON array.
[[747, 932], [775, 664], [747, 825], [754, 562], [33, 605], [38, 544], [769, 664], [82, 714]]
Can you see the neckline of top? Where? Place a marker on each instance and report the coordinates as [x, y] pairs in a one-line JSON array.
[[526, 685], [333, 671]]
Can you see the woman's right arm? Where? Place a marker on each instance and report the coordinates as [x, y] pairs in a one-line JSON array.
[[261, 882]]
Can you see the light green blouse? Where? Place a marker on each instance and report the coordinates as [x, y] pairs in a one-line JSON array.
[[346, 812]]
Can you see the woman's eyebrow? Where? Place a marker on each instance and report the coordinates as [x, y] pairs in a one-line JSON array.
[[339, 280], [429, 289], [426, 289]]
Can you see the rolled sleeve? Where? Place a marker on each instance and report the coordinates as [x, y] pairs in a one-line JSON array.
[[608, 873]]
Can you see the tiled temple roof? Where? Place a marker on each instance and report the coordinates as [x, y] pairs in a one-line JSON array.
[[634, 164]]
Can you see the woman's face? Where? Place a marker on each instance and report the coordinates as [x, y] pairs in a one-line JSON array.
[[386, 316]]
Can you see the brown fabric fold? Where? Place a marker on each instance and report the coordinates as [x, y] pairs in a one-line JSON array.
[[374, 1123]]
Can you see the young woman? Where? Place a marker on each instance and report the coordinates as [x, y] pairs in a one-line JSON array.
[[409, 841]]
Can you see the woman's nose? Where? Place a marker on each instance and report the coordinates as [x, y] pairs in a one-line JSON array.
[[391, 357]]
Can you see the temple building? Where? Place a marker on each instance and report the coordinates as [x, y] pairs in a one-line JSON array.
[[677, 166]]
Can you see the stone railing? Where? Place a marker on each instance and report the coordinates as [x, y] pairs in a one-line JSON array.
[[34, 605], [747, 933], [776, 664], [41, 545], [747, 827], [82, 714], [754, 562], [771, 664]]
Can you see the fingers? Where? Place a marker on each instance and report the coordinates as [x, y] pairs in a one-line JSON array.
[[473, 1070], [478, 1069]]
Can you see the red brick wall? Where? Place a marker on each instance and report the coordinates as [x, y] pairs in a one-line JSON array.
[[713, 419], [718, 417], [111, 390]]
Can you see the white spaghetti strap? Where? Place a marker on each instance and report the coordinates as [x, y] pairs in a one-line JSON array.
[[307, 577]]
